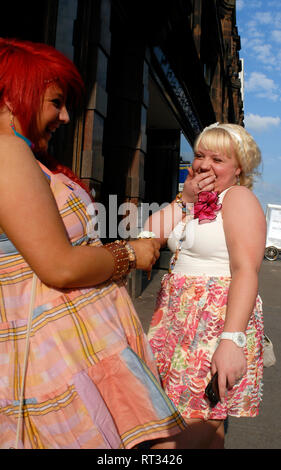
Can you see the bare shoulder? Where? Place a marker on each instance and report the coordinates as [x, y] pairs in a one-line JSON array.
[[238, 192], [241, 197], [242, 212], [11, 144], [12, 150], [17, 163], [11, 139]]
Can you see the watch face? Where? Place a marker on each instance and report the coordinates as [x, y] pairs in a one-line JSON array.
[[241, 340]]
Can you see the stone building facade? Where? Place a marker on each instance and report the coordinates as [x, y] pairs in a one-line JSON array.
[[154, 70]]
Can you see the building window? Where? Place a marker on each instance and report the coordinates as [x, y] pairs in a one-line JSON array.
[[67, 12]]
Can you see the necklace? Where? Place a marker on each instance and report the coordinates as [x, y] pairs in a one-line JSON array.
[[29, 143], [178, 249]]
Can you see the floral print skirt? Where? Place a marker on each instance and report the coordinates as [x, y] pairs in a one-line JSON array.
[[184, 331]]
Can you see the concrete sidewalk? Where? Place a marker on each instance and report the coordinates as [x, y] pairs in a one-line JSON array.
[[264, 431]]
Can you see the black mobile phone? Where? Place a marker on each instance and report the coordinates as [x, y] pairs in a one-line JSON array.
[[212, 391]]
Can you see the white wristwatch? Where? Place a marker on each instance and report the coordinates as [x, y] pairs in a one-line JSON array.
[[238, 338]]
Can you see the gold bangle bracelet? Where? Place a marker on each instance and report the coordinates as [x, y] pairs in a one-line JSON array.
[[121, 259], [183, 205]]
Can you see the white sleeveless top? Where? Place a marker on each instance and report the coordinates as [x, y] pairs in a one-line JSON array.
[[203, 249]]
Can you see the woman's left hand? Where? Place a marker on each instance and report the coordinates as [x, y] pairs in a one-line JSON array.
[[195, 183], [230, 362], [147, 252]]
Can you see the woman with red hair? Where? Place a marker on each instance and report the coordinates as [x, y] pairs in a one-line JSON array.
[[76, 368]]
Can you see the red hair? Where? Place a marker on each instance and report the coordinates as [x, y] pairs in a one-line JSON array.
[[26, 70]]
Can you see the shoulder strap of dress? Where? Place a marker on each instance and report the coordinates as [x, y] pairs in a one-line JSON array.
[[223, 193], [45, 170]]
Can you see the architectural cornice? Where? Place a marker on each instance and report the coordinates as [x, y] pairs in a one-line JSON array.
[[228, 3]]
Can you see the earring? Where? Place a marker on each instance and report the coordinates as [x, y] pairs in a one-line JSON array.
[[12, 123], [238, 180]]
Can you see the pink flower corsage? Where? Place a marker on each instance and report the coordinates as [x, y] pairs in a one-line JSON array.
[[207, 207]]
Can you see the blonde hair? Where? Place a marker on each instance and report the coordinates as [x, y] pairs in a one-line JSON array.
[[225, 138]]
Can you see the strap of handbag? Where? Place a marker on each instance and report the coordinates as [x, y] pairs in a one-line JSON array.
[[20, 412]]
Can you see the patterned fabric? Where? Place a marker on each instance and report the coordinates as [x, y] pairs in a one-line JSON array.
[[91, 379], [188, 319]]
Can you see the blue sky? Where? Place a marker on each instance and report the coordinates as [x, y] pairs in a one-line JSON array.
[[259, 27]]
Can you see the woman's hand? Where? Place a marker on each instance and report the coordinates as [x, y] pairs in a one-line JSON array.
[[147, 252], [196, 183], [230, 363]]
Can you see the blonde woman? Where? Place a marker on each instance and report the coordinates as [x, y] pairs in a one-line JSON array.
[[208, 318]]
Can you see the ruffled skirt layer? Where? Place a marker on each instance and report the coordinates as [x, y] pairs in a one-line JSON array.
[[91, 379], [187, 322]]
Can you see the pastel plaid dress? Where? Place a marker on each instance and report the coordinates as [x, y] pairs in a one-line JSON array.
[[91, 378]]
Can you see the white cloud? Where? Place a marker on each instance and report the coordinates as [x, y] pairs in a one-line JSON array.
[[263, 53], [276, 35], [251, 27], [264, 17], [254, 43], [253, 4], [263, 86], [267, 193], [254, 122], [253, 36], [240, 4], [275, 8], [277, 19], [256, 34]]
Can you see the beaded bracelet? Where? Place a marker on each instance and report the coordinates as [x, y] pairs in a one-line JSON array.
[[121, 258], [183, 205]]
